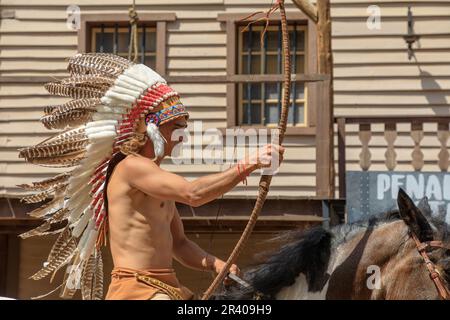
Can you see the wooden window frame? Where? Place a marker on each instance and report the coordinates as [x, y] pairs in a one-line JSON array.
[[160, 20], [232, 22], [120, 28], [264, 100]]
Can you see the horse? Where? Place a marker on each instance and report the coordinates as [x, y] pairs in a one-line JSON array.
[[404, 255]]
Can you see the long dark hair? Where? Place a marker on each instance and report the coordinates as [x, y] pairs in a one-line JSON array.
[[112, 164]]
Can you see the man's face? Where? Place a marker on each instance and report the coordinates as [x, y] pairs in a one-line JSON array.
[[173, 130]]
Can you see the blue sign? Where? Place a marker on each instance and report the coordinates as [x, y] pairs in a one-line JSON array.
[[371, 193]]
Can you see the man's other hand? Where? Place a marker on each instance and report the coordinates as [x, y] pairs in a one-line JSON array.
[[219, 265]]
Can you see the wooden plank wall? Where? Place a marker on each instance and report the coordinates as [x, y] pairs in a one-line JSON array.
[[36, 42], [373, 76]]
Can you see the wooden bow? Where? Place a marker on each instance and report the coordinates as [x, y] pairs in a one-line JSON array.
[[265, 180]]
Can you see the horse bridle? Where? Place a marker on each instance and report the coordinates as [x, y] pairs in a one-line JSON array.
[[422, 247]]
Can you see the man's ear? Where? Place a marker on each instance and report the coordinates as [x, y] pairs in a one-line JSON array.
[[413, 218]]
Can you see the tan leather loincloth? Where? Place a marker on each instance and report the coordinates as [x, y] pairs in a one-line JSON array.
[[129, 284]]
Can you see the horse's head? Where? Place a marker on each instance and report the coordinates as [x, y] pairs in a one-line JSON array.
[[377, 259], [415, 216], [414, 279]]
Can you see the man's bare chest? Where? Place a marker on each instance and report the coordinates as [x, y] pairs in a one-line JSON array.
[[158, 210]]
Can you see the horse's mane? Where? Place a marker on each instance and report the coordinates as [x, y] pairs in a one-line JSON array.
[[345, 232], [308, 252]]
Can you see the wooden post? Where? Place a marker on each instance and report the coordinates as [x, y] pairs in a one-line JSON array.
[[324, 138], [161, 27], [231, 71], [9, 265], [307, 8], [342, 158], [323, 141], [3, 264], [443, 135], [12, 282]]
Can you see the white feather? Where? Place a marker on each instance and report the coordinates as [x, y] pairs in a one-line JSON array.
[[88, 247], [98, 157], [123, 90], [103, 116], [119, 96], [132, 81], [105, 109], [121, 82], [77, 194], [92, 130], [140, 74], [110, 101], [158, 140], [83, 222], [73, 279], [109, 109], [105, 135], [85, 235], [76, 213], [84, 169], [93, 148], [150, 76], [77, 184], [100, 123], [79, 206]]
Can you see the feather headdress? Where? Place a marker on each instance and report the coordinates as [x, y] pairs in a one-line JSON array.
[[111, 95]]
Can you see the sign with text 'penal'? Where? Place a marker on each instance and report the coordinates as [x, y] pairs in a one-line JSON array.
[[371, 193]]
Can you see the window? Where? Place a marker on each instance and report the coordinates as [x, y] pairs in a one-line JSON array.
[[260, 103], [113, 38], [111, 33]]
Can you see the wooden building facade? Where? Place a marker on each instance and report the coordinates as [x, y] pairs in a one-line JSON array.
[[198, 46]]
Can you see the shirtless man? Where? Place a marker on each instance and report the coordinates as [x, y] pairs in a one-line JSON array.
[[120, 122], [146, 231]]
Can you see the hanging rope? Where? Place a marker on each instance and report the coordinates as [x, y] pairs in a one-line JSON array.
[[265, 181], [133, 45]]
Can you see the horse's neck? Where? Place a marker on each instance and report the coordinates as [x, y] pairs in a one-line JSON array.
[[347, 268], [300, 289]]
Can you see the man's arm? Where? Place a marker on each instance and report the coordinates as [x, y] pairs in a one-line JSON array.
[[190, 254], [186, 251], [145, 175]]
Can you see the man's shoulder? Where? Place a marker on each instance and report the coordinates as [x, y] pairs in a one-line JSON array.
[[133, 164]]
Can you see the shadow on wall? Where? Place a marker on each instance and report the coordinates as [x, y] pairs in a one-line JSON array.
[[433, 92]]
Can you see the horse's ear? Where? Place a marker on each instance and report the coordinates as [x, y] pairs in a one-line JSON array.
[[413, 218], [424, 207]]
